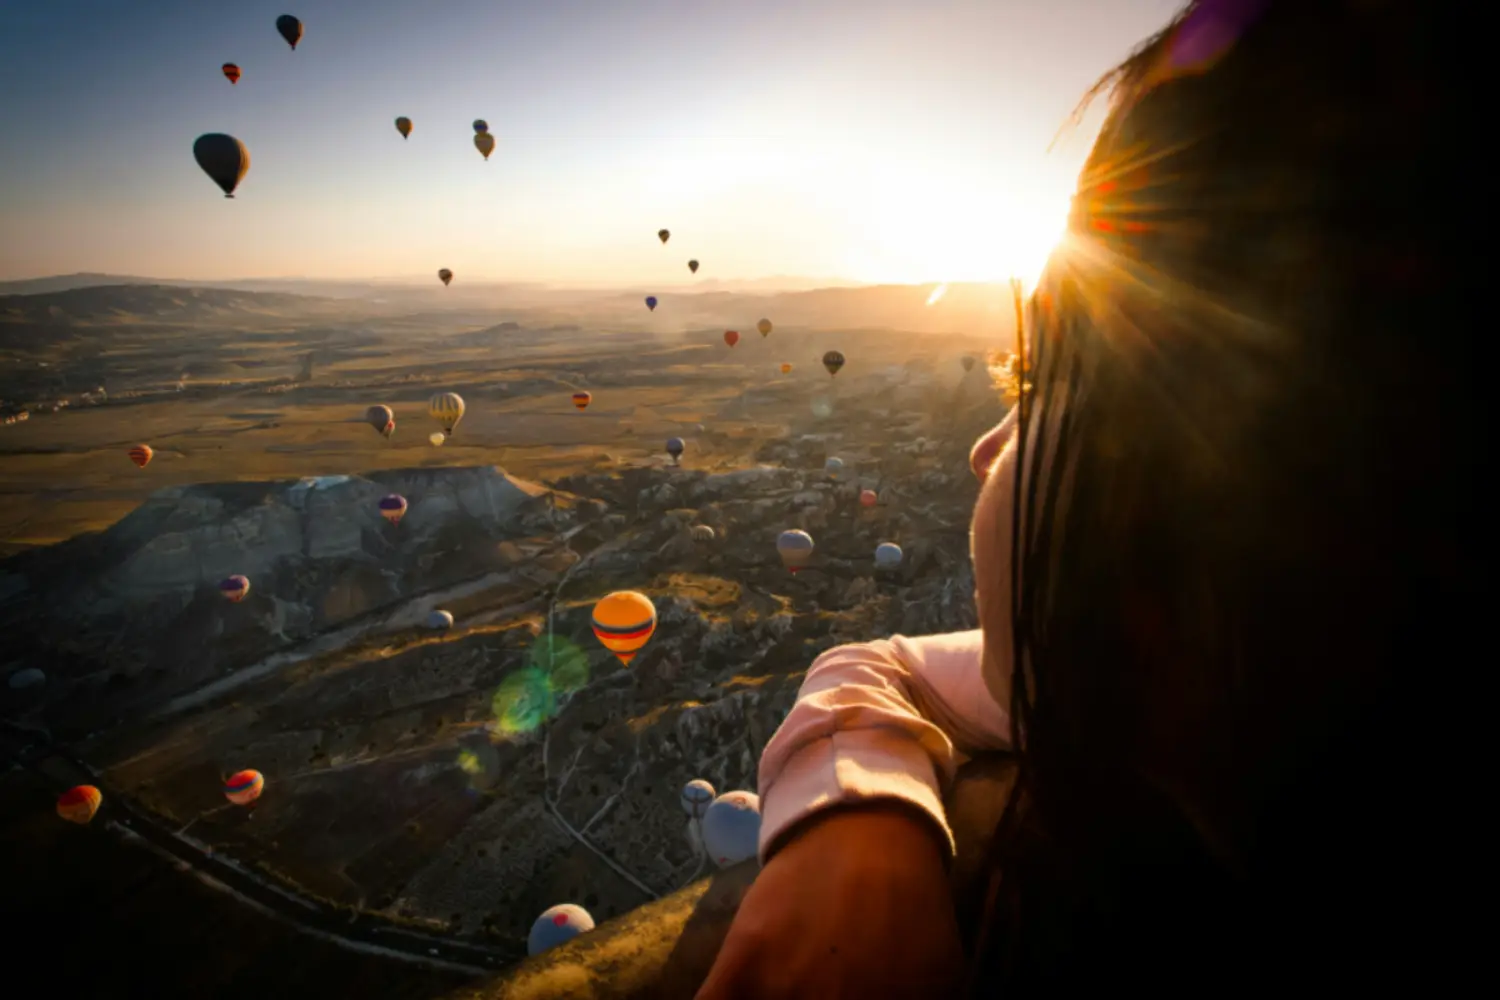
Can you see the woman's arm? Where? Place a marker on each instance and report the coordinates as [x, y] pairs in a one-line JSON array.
[[879, 720]]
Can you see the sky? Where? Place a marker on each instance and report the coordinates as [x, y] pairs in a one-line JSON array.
[[866, 140]]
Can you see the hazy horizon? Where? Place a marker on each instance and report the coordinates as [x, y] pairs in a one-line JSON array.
[[866, 143]]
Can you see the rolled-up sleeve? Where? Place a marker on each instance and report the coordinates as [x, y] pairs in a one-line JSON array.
[[880, 720]]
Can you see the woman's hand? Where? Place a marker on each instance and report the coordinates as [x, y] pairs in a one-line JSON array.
[[856, 904]]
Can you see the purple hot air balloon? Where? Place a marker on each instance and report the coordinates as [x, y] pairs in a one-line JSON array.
[[393, 507], [235, 588], [651, 302]]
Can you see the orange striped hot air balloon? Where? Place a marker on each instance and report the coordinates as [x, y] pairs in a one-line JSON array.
[[141, 455], [624, 622], [582, 400], [78, 805], [232, 72], [244, 787]]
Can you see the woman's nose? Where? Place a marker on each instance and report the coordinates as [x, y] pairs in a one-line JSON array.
[[985, 451]]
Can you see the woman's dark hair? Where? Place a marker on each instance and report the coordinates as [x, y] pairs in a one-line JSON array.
[[1244, 526]]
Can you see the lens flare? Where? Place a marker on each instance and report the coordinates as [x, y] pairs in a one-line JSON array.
[[937, 294]]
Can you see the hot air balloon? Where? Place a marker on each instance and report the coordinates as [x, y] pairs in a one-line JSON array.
[[702, 534], [379, 417], [244, 787], [290, 28], [785, 368], [437, 438], [235, 588], [693, 266], [141, 455], [674, 448], [651, 302], [623, 622], [582, 400], [764, 326], [868, 498], [403, 125], [833, 467], [485, 143], [223, 158], [731, 337], [795, 548], [968, 363], [232, 72], [445, 275], [887, 555], [696, 796], [833, 361], [481, 126], [731, 828], [447, 408], [393, 507], [438, 619], [663, 235], [556, 925], [79, 804]]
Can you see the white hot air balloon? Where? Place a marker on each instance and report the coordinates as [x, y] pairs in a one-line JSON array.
[[731, 828], [887, 555], [696, 797], [556, 925]]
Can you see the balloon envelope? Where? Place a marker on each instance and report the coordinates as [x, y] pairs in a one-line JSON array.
[[445, 275], [378, 416], [393, 507], [651, 302], [764, 326], [731, 337], [693, 266], [702, 534], [887, 555], [867, 498], [582, 400], [437, 438], [833, 361], [29, 678], [439, 619], [403, 125], [556, 925], [731, 828], [485, 143], [289, 28], [696, 796], [968, 363], [447, 408], [244, 787], [79, 804], [785, 368], [663, 235], [232, 72], [795, 548], [235, 587], [833, 466], [141, 455], [674, 447], [481, 126], [624, 622], [223, 158]]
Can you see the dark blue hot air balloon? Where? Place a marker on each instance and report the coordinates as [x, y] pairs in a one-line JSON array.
[[289, 28], [674, 448], [651, 302]]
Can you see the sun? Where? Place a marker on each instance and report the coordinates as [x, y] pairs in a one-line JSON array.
[[948, 232]]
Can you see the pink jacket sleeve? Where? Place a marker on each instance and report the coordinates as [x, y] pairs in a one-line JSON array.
[[885, 719]]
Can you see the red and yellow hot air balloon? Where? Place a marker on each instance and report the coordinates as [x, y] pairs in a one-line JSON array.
[[232, 72], [78, 805], [731, 337], [868, 498], [582, 400], [141, 455], [624, 622], [244, 787]]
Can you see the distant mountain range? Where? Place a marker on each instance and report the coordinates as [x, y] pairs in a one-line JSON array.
[[979, 309]]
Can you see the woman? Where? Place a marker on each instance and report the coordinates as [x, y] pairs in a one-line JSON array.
[[1236, 545]]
